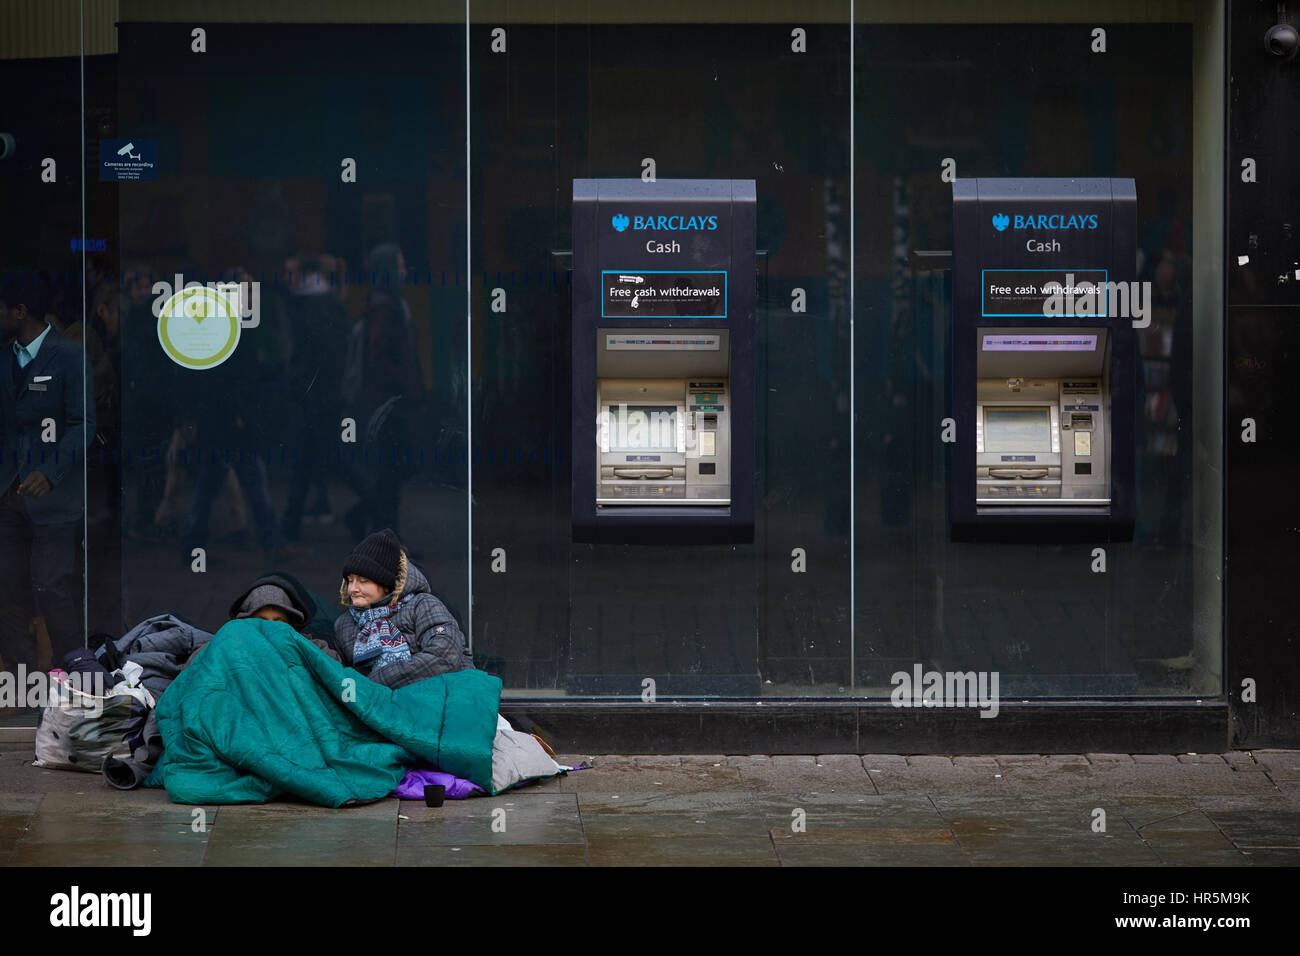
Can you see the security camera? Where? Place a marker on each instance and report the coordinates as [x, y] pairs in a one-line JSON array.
[[126, 149], [1282, 39]]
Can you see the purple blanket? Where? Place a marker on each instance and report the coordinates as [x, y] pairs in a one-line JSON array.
[[413, 784], [417, 778]]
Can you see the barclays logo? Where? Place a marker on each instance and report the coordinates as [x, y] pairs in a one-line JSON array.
[[1001, 221], [620, 222]]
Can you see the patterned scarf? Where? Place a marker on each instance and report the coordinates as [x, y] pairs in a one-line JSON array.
[[377, 637]]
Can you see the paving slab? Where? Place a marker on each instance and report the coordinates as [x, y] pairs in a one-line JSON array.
[[986, 763], [146, 806], [1282, 773], [20, 803], [302, 840], [1168, 778], [17, 775], [1278, 758], [647, 850], [939, 778], [1259, 827], [658, 762], [1065, 760], [846, 817], [1199, 848], [1044, 832], [549, 785], [688, 814], [1272, 857], [1188, 821], [696, 778], [929, 762], [1142, 811], [58, 834], [297, 810], [874, 762], [1241, 760], [1109, 758], [1290, 790], [881, 836], [125, 830], [494, 821], [500, 855], [719, 760], [182, 851], [831, 773], [11, 830]]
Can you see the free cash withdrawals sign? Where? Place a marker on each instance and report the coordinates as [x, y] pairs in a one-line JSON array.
[[128, 160], [691, 294]]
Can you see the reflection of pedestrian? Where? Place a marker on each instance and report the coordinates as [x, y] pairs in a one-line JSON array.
[[383, 382], [47, 416], [148, 402], [318, 323]]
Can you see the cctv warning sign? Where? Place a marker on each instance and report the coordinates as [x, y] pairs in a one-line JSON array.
[[128, 160]]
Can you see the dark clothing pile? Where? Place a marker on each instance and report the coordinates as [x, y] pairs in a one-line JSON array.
[[163, 646]]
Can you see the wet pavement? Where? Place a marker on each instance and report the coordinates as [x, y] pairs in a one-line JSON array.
[[1234, 809]]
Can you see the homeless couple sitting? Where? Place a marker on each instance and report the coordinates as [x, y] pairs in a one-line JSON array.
[[393, 629]]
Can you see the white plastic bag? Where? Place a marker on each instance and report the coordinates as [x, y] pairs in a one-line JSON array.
[[78, 729]]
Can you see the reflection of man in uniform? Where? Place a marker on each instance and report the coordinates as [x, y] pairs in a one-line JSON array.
[[47, 415]]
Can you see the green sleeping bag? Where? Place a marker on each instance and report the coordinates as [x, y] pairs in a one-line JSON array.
[[263, 712]]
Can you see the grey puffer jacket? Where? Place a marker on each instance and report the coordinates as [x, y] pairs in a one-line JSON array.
[[436, 642]]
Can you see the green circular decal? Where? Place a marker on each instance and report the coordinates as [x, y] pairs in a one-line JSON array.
[[199, 327]]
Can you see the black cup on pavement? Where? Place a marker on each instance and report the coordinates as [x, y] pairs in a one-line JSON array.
[[434, 794]]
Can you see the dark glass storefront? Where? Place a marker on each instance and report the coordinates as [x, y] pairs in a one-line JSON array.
[[394, 190]]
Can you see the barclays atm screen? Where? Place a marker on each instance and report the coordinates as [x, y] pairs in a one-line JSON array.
[[636, 428], [1017, 429]]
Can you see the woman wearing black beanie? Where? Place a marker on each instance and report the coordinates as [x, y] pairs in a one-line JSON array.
[[393, 629]]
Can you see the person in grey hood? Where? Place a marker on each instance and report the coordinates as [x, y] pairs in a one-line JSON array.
[[394, 630], [280, 597]]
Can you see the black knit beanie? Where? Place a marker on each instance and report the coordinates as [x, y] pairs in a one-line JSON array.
[[377, 558]]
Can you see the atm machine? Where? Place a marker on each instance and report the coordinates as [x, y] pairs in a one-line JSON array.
[[1043, 379], [663, 361]]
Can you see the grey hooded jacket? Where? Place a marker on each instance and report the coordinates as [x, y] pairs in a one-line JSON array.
[[436, 642]]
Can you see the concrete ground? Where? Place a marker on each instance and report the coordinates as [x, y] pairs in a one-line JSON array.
[[1233, 809]]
